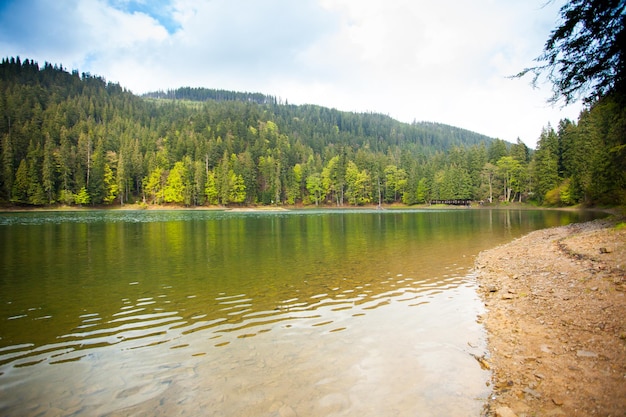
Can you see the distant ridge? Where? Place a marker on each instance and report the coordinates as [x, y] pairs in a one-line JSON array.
[[206, 94], [439, 136]]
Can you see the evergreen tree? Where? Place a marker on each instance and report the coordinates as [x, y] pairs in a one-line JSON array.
[[21, 184], [82, 198], [97, 189], [314, 185], [237, 188], [65, 163], [488, 174], [48, 173], [497, 149], [154, 185], [198, 183], [8, 174], [423, 191], [36, 195], [585, 56], [223, 180], [110, 185], [509, 170], [210, 191], [176, 186], [358, 185], [545, 167]]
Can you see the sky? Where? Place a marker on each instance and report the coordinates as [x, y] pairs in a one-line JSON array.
[[445, 61]]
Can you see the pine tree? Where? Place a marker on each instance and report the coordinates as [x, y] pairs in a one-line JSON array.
[[48, 173], [176, 184], [82, 198], [8, 174], [110, 185], [210, 189], [21, 184], [36, 195]]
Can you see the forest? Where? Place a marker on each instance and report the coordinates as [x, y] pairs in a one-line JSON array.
[[75, 139]]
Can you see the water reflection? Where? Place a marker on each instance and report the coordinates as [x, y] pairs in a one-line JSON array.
[[156, 320], [245, 314]]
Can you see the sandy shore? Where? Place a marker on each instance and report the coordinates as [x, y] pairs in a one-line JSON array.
[[556, 321]]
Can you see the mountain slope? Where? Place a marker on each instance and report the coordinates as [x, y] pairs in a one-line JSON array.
[[358, 128], [77, 139]]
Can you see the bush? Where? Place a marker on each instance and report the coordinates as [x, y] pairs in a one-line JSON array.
[[560, 195]]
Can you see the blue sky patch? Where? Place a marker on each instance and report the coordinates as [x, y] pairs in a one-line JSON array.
[[159, 10]]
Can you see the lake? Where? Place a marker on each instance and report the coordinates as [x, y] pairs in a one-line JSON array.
[[223, 313]]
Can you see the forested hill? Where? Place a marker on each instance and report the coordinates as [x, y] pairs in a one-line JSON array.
[[75, 138], [70, 137], [356, 127], [205, 94]]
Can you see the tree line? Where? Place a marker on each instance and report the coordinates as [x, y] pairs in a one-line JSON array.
[[73, 138], [206, 94]]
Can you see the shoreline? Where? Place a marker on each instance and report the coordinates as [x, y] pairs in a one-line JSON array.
[[252, 208], [556, 321]]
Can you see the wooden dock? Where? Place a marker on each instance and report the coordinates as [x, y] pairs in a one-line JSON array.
[[453, 202]]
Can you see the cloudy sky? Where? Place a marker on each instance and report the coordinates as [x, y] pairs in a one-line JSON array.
[[444, 61]]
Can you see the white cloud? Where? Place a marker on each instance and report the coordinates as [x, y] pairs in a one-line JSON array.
[[120, 30], [444, 61]]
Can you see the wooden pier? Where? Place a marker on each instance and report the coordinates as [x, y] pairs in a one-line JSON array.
[[453, 202]]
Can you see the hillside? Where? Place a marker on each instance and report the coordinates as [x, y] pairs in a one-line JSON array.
[[75, 138], [357, 129]]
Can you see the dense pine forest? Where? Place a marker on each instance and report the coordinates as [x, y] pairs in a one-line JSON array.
[[76, 139]]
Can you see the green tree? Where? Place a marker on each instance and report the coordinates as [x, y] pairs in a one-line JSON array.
[[269, 179], [210, 189], [584, 56], [21, 184], [520, 152], [237, 188], [122, 178], [65, 162], [199, 183], [334, 178], [48, 172], [315, 187], [223, 180], [509, 170], [176, 184], [545, 167], [84, 153], [248, 170], [110, 185], [477, 158], [497, 149], [36, 195], [358, 185], [96, 187], [395, 182], [154, 185], [488, 173], [82, 198], [423, 191], [603, 172], [8, 175], [452, 183]]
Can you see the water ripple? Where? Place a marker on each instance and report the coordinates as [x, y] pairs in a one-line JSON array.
[[149, 321]]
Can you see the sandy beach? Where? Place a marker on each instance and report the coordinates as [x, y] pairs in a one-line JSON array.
[[556, 321]]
